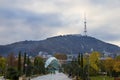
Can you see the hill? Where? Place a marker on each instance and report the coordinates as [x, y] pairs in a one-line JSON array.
[[60, 44]]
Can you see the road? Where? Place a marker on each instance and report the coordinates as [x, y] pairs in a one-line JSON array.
[[57, 76]]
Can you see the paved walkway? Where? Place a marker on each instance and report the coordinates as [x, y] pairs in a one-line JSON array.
[[57, 76], [1, 78]]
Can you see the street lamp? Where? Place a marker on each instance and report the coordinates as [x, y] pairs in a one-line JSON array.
[[25, 69], [88, 63]]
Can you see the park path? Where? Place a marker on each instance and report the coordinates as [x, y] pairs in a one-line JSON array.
[[57, 76]]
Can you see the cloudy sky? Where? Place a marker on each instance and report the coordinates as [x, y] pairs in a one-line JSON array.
[[38, 19]]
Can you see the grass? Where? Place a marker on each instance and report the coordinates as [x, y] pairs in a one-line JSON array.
[[101, 78]]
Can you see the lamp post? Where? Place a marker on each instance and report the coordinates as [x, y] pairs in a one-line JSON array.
[[88, 63], [25, 69]]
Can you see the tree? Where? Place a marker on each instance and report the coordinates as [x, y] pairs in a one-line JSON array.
[[108, 64], [12, 73], [117, 58], [82, 60], [28, 67], [11, 60], [116, 66], [82, 66], [39, 66], [28, 61], [24, 63], [94, 63], [19, 63], [79, 59], [80, 63], [60, 56], [76, 70], [2, 64]]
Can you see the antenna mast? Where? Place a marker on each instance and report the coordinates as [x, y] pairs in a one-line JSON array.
[[85, 26]]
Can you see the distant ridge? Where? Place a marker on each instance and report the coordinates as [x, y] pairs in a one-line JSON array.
[[60, 44]]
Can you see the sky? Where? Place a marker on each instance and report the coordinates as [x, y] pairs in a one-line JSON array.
[[39, 19]]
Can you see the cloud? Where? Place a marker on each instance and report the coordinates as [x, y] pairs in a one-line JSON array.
[[17, 25], [32, 18], [39, 19]]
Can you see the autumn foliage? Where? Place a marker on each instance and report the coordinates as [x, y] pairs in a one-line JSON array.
[[60, 56]]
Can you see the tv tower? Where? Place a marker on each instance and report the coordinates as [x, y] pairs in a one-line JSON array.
[[85, 26]]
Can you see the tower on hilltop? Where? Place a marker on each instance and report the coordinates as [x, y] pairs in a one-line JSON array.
[[85, 26]]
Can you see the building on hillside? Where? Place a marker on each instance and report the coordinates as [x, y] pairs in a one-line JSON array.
[[44, 55], [70, 57]]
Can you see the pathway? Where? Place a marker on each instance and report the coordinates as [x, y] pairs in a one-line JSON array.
[[57, 76]]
